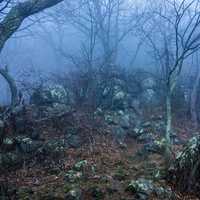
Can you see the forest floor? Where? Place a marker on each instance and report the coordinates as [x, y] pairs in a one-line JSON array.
[[106, 172]]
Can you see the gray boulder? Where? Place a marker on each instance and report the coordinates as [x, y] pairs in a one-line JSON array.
[[48, 95], [73, 176], [74, 194], [119, 134], [149, 97], [120, 118], [27, 145], [54, 145], [144, 189], [187, 164], [8, 144], [148, 82]]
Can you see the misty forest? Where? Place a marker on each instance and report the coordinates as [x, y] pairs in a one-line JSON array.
[[100, 99]]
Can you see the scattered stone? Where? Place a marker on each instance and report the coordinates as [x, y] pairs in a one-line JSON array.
[[73, 176], [154, 146], [49, 95], [144, 189], [119, 134], [54, 145], [125, 121], [111, 119], [80, 165], [74, 194], [146, 138], [136, 132], [27, 145], [8, 144], [149, 97], [148, 83], [187, 164]]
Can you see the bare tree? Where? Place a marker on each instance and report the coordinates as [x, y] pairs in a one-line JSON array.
[[11, 17], [194, 93], [12, 86], [103, 25], [173, 32]]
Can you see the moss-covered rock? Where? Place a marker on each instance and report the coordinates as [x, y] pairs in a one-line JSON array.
[[144, 189], [73, 176], [80, 165], [186, 169], [74, 194]]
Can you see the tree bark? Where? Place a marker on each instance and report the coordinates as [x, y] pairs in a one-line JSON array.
[[10, 24], [168, 127], [18, 14], [193, 103], [12, 86]]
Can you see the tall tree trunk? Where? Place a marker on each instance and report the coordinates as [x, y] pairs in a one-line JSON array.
[[193, 103], [12, 86], [168, 127]]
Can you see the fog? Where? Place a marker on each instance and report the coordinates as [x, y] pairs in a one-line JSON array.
[[99, 99], [37, 44], [48, 42]]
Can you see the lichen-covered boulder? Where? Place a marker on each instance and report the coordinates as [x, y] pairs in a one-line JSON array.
[[54, 145], [73, 176], [148, 82], [121, 123], [80, 165], [119, 134], [187, 166], [57, 108], [149, 97], [115, 94], [74, 194], [49, 95], [120, 118], [58, 93], [144, 189], [8, 144], [148, 94], [27, 145]]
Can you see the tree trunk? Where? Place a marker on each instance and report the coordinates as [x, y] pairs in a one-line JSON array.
[[12, 86], [193, 103], [13, 20], [10, 24], [168, 155]]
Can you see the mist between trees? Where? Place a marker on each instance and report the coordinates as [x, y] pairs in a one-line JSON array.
[[96, 53]]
